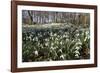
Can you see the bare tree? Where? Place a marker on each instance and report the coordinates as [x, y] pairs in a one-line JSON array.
[[30, 16]]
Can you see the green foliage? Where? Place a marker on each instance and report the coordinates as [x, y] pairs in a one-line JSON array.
[[54, 44], [85, 39]]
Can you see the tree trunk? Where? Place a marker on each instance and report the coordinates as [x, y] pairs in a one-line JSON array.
[[31, 18]]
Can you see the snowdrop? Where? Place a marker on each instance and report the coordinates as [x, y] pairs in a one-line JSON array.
[[77, 52], [36, 53], [52, 44], [56, 39], [51, 34], [77, 34], [77, 55], [62, 56], [29, 37], [79, 42], [38, 44], [85, 39], [65, 35], [55, 34], [52, 48], [41, 45], [87, 32], [36, 38], [50, 59], [46, 39], [46, 44], [77, 48], [60, 50], [67, 39], [61, 42], [33, 39]]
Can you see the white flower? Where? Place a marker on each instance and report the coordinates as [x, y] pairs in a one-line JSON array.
[[29, 37], [77, 55], [79, 42], [65, 35], [52, 44], [33, 39], [65, 32], [85, 39], [77, 48], [77, 52], [60, 50], [56, 39], [58, 36], [61, 42], [73, 40], [51, 38], [36, 53], [67, 39], [82, 34], [41, 45], [51, 34], [88, 36], [46, 44], [77, 34], [46, 40], [55, 34], [40, 35], [36, 39], [87, 32], [62, 56], [53, 48], [77, 30]]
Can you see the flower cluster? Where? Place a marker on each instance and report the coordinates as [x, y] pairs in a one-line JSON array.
[[54, 44]]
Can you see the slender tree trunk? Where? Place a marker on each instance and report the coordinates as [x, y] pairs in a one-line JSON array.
[[31, 18]]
